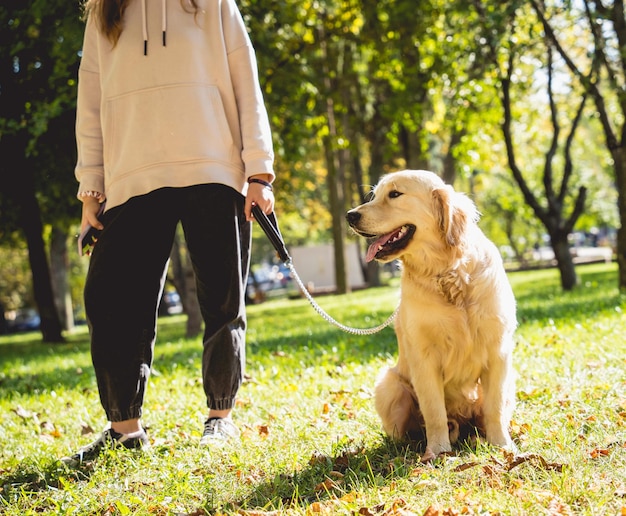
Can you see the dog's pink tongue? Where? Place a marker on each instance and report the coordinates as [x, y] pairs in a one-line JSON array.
[[374, 248]]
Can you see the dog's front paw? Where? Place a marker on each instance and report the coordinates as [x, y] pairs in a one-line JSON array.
[[501, 439], [434, 452], [511, 447], [428, 456], [505, 442]]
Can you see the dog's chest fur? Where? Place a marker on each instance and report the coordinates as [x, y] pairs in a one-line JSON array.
[[452, 285], [447, 334]]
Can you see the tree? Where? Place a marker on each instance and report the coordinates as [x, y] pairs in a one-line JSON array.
[[37, 82], [598, 62], [551, 213], [519, 64]]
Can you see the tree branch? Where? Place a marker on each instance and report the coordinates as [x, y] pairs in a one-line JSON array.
[[547, 170], [529, 197], [589, 83], [568, 167], [599, 44]]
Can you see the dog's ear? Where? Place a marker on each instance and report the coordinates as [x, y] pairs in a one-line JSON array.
[[454, 211]]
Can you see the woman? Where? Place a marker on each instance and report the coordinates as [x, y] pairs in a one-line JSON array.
[[171, 127]]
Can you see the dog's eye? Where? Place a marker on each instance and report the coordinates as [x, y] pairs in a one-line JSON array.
[[394, 193]]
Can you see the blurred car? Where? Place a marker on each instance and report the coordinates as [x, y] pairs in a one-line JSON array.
[[26, 319], [282, 275], [259, 283], [171, 303]]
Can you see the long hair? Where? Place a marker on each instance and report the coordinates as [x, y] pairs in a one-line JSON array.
[[109, 14]]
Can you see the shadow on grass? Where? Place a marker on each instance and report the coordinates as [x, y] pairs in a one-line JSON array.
[[357, 465], [51, 366], [540, 297], [351, 468], [172, 351]]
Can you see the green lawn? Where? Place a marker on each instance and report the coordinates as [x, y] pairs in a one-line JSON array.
[[311, 440]]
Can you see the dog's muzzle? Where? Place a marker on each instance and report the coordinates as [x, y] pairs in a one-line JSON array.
[[353, 217]]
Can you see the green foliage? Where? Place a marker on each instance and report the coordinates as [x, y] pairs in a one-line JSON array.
[[311, 440], [15, 280], [40, 45]]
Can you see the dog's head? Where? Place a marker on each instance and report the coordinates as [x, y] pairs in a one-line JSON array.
[[408, 210]]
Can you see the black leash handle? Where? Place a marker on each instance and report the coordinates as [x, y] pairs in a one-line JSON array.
[[269, 224]]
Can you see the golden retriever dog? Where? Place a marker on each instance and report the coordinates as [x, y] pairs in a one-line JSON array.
[[457, 314]]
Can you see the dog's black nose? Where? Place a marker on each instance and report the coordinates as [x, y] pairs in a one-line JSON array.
[[353, 217]]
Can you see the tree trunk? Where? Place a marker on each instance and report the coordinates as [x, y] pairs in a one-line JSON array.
[[22, 189], [337, 217], [335, 181], [412, 150], [564, 261], [184, 280], [59, 265], [42, 283], [448, 174], [620, 178], [376, 137]]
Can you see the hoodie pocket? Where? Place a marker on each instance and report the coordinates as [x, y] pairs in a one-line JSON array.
[[168, 124]]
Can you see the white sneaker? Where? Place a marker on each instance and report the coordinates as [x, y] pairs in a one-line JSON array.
[[218, 430]]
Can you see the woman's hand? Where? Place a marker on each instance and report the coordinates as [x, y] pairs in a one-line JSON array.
[[259, 195], [91, 207]]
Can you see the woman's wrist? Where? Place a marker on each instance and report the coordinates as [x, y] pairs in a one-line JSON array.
[[91, 194]]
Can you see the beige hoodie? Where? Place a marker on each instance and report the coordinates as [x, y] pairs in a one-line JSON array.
[[188, 111]]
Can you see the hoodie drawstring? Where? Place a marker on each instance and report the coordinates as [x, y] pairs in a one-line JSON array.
[[144, 24], [164, 21]]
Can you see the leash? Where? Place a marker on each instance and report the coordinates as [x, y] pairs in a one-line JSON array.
[[269, 224]]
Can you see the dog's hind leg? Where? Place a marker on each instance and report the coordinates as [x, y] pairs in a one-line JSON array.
[[396, 405]]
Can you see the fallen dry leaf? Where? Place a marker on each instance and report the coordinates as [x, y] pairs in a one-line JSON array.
[[397, 508], [433, 511], [515, 460], [463, 467], [558, 508], [85, 429], [490, 470], [320, 508], [348, 497], [318, 458], [328, 485], [599, 452]]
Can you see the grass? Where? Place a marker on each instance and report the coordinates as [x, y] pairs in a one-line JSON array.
[[311, 440]]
